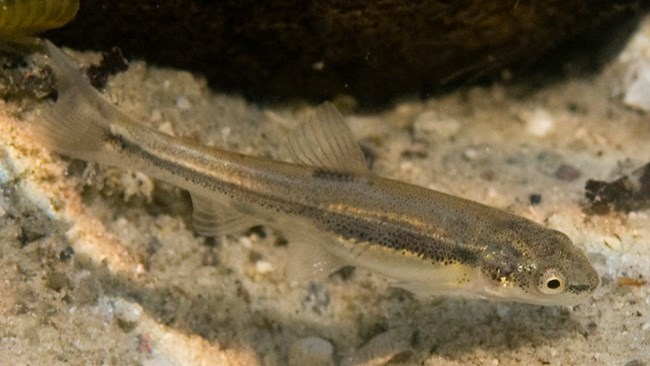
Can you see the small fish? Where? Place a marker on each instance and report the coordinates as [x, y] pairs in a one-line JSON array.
[[332, 209]]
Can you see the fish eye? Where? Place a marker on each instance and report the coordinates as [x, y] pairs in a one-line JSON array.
[[551, 282]]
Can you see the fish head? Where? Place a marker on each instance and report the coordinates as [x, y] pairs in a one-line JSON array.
[[526, 262]]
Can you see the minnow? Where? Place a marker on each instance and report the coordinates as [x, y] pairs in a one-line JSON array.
[[332, 209]]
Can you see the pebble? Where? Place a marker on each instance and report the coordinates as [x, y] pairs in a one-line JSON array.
[[183, 103], [263, 267], [470, 154], [167, 128], [612, 242], [539, 122], [636, 95], [567, 173], [535, 199], [127, 313], [4, 205], [313, 351]]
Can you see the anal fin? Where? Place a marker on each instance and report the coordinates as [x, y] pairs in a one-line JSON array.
[[213, 218]]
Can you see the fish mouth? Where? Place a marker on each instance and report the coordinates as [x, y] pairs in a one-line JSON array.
[[573, 295], [579, 289]]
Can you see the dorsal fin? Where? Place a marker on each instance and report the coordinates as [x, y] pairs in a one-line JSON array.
[[325, 141]]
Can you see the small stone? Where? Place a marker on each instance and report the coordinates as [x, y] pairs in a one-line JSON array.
[[263, 267], [470, 154], [246, 242], [535, 199], [183, 103], [636, 95], [167, 128], [4, 206], [311, 351], [567, 173], [66, 254], [416, 150], [57, 281], [127, 313], [613, 242], [318, 66], [539, 122]]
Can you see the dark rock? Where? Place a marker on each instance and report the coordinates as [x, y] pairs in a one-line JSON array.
[[317, 50], [628, 193]]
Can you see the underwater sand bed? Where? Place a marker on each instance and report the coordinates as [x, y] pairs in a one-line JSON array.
[[101, 265]]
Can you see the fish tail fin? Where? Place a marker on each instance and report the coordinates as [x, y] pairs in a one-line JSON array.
[[78, 123]]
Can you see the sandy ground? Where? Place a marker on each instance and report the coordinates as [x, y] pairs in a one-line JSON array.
[[100, 266]]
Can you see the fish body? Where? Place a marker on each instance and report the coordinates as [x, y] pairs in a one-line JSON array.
[[331, 207]]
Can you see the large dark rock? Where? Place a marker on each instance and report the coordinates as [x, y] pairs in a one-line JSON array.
[[372, 50]]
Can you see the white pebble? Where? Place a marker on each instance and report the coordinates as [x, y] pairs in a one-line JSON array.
[[245, 242], [4, 206], [167, 128], [470, 154], [637, 94], [406, 166], [613, 242], [318, 66], [127, 311], [225, 133], [4, 172], [183, 103], [539, 122], [263, 267]]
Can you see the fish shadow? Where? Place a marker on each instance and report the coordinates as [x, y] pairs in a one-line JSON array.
[[443, 327]]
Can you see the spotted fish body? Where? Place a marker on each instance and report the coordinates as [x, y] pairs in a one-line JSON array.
[[331, 207]]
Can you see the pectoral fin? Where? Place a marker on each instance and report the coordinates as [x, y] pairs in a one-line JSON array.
[[309, 262]]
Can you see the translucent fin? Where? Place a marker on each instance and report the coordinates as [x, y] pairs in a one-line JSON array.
[[212, 218], [448, 279], [79, 121], [325, 140], [308, 261]]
